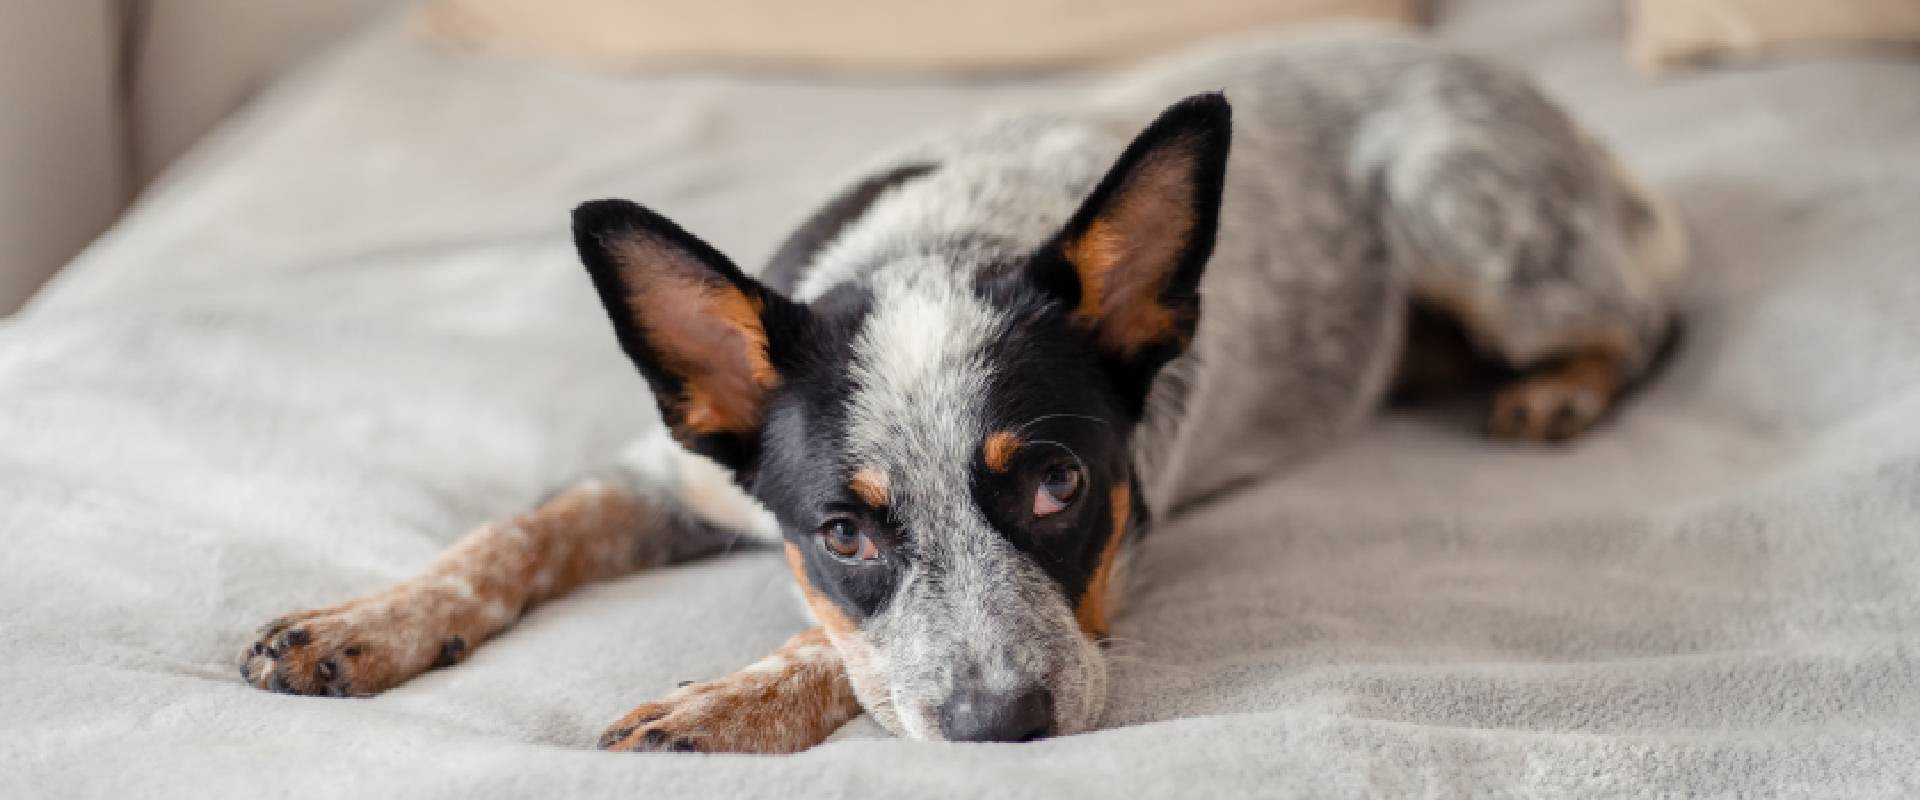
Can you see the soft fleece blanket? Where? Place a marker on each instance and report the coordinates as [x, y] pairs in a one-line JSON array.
[[351, 327]]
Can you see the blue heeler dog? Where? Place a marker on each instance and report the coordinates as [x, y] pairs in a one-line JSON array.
[[961, 392]]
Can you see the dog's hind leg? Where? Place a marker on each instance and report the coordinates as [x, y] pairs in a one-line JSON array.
[[658, 505], [784, 703], [1557, 264]]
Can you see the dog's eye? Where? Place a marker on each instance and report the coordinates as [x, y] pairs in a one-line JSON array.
[[843, 540], [1059, 485]]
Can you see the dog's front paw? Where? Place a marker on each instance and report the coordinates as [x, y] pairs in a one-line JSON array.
[[648, 729], [785, 703], [730, 715], [358, 648]]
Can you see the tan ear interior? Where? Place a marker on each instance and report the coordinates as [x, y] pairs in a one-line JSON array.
[[708, 335], [1125, 258]]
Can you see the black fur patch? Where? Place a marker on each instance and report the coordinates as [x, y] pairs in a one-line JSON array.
[[1049, 387], [799, 474]]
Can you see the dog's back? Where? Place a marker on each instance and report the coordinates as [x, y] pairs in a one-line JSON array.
[[1370, 168]]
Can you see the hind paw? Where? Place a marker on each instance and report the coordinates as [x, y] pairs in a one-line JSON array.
[[1547, 409]]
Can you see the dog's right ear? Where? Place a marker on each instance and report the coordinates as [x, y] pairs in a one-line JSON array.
[[695, 325], [1128, 263]]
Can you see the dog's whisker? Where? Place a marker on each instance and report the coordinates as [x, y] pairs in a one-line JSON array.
[[1022, 429], [1159, 666]]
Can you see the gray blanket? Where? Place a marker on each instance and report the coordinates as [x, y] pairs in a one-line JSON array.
[[351, 327]]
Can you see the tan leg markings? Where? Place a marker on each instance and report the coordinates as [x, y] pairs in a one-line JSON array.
[[784, 703], [473, 590], [1558, 403]]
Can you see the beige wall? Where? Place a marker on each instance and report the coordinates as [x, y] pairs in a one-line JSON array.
[[198, 60], [60, 148], [76, 140]]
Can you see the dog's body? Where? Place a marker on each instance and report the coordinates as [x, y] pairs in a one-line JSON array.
[[1368, 171], [969, 384]]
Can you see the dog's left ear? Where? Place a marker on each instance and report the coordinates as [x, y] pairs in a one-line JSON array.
[[702, 333], [1128, 263]]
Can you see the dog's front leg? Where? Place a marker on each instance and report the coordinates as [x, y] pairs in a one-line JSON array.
[[658, 506], [784, 703]]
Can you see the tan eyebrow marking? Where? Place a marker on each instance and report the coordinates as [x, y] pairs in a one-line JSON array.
[[871, 485], [998, 450]]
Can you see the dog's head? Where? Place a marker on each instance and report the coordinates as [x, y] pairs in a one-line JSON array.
[[945, 446]]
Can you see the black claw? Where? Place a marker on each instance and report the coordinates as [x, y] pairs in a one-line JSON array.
[[246, 671], [259, 648], [654, 738], [683, 745], [450, 651], [1564, 425], [276, 650], [614, 736], [683, 684], [298, 637]]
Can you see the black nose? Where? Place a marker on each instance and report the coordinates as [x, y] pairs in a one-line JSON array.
[[982, 716]]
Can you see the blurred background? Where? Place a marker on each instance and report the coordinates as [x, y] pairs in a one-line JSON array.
[[98, 97]]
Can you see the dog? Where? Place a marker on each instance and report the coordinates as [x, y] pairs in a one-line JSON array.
[[963, 391]]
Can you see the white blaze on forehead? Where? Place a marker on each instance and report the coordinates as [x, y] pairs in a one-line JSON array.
[[969, 609], [920, 379]]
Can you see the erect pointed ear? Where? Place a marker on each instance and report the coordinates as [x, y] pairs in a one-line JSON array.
[[1128, 263], [696, 326]]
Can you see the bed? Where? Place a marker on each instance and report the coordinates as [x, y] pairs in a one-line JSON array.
[[351, 326]]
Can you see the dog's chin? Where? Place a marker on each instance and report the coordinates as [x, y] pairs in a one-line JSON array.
[[1080, 692]]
